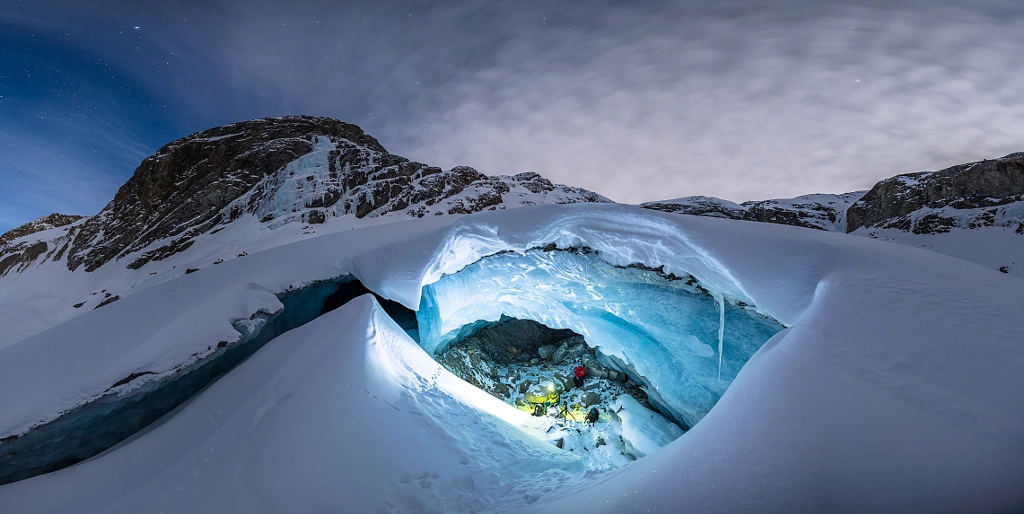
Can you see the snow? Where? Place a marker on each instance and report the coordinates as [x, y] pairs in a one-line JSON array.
[[298, 428], [698, 200], [646, 431], [44, 296], [616, 439], [896, 386], [991, 247], [172, 325], [824, 211]]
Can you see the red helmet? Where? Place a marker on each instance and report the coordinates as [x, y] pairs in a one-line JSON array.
[[580, 372]]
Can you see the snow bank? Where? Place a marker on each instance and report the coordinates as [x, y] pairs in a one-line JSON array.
[[645, 430], [343, 414], [896, 387], [166, 328]]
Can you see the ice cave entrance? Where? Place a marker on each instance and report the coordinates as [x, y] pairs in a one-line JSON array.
[[96, 426], [659, 349]]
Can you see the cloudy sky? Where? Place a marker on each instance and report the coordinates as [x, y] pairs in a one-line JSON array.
[[636, 100]]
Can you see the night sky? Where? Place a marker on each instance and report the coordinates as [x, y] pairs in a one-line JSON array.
[[638, 101]]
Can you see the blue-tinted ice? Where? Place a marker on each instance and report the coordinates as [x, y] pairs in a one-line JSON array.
[[663, 332]]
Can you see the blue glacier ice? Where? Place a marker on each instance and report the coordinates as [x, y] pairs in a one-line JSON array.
[[666, 332]]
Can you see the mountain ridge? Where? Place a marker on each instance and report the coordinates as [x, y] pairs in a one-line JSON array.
[[310, 170], [987, 193], [294, 168]]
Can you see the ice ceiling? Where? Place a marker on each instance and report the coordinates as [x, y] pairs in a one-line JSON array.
[[664, 331]]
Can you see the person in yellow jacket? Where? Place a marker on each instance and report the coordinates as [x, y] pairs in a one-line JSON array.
[[553, 397]]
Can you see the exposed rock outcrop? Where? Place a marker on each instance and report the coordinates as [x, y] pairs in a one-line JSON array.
[[968, 195], [17, 255], [820, 211], [978, 194], [38, 225]]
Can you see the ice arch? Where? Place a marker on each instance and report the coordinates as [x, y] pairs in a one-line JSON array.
[[661, 329]]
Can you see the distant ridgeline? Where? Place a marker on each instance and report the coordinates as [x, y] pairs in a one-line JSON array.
[[987, 193], [312, 170]]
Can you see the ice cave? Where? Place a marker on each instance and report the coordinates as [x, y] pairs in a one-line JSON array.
[[659, 346], [659, 351], [96, 426], [681, 342]]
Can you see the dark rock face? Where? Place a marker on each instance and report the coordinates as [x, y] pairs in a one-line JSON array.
[[969, 195], [514, 340], [38, 225], [483, 358], [699, 206], [18, 256], [292, 169], [181, 191]]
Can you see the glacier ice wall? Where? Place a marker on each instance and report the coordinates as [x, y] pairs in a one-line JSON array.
[[96, 426], [663, 328]]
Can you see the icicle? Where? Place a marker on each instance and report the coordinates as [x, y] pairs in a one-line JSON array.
[[721, 329]]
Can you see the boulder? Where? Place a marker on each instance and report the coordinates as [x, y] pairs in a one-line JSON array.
[[591, 398], [560, 353], [564, 381], [525, 386], [577, 351], [546, 351]]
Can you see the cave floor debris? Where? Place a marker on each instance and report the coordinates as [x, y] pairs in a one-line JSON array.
[[524, 371]]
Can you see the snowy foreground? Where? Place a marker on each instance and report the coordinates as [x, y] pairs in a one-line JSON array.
[[895, 387]]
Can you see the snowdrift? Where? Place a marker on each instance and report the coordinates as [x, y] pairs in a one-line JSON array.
[[896, 385]]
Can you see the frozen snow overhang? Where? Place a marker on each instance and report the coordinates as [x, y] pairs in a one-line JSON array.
[[165, 329], [920, 325], [737, 260]]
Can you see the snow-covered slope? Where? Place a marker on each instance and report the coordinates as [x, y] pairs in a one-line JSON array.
[[228, 192], [895, 387], [345, 414]]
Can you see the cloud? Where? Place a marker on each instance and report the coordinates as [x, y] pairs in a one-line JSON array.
[[743, 100], [749, 106]]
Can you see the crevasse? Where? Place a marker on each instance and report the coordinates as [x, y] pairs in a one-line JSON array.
[[669, 333]]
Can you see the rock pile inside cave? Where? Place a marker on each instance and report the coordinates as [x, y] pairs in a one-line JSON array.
[[521, 362]]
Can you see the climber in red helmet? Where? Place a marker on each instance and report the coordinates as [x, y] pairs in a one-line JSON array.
[[578, 375]]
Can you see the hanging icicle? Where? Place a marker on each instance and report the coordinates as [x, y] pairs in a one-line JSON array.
[[721, 329]]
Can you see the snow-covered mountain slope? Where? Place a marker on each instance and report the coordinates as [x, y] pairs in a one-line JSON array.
[[895, 386], [972, 211], [38, 225], [230, 191], [819, 211]]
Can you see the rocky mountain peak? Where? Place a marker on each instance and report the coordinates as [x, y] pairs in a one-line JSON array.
[[38, 225], [18, 255], [969, 195], [280, 170]]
